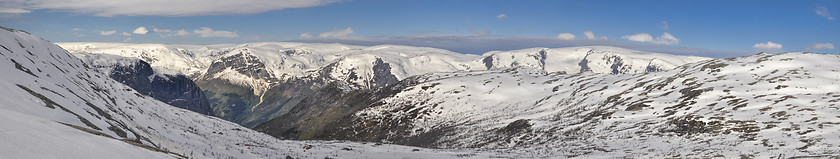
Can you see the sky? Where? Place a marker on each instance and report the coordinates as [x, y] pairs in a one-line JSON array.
[[710, 28]]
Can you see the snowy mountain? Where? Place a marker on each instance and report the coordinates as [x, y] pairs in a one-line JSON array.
[[586, 102], [759, 106], [56, 106], [252, 83], [356, 64]]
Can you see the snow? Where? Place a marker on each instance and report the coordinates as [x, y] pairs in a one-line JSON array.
[[46, 86], [757, 106], [36, 137], [293, 60]]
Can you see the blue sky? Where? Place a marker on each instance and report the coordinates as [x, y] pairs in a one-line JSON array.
[[705, 28]]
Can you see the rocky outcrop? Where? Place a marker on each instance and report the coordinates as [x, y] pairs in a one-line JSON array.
[[176, 90]]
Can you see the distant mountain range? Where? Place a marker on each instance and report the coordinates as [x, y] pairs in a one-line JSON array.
[[252, 83]]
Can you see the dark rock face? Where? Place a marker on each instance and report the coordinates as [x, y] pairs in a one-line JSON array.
[[616, 64], [178, 91], [488, 62], [382, 74]]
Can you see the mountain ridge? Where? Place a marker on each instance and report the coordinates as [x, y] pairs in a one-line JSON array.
[[260, 68]]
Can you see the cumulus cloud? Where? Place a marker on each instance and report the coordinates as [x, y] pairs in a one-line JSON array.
[[127, 40], [501, 16], [209, 32], [665, 25], [565, 36], [820, 46], [666, 38], [591, 36], [337, 33], [126, 34], [768, 46], [167, 7], [140, 30], [106, 33], [823, 11], [306, 35]]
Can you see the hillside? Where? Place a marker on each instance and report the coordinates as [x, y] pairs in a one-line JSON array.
[[757, 106], [63, 108]]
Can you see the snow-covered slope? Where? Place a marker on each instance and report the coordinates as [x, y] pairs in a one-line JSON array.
[[758, 106], [55, 106]]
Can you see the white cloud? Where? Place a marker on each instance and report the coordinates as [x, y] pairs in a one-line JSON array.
[[306, 35], [666, 38], [110, 8], [179, 33], [665, 25], [591, 36], [106, 33], [127, 40], [159, 30], [76, 29], [820, 46], [501, 16], [337, 33], [13, 11], [208, 32], [565, 36], [768, 46], [126, 34], [140, 30], [823, 11]]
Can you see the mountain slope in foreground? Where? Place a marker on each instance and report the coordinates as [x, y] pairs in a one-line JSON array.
[[55, 106], [758, 106]]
